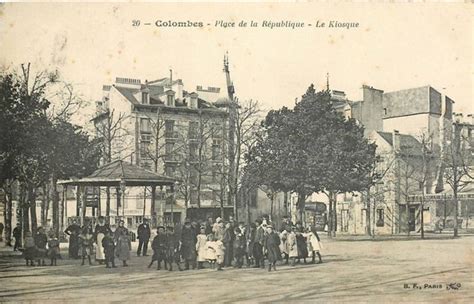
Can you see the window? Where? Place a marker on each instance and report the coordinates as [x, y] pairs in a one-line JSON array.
[[193, 151], [380, 218], [216, 149], [169, 129], [145, 125], [170, 100], [193, 130], [145, 98], [215, 174], [193, 177], [217, 130], [169, 151], [144, 151], [170, 170]]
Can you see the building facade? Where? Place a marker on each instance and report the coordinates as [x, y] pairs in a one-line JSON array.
[[160, 126]]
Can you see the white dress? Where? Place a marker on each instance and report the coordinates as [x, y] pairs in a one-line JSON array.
[[201, 248], [99, 253]]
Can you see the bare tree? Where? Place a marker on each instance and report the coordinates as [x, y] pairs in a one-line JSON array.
[[247, 124], [109, 127], [457, 161]]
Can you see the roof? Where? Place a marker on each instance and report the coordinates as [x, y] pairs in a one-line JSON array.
[[114, 173], [408, 143], [128, 93]]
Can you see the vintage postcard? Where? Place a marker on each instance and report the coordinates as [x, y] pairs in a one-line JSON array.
[[221, 152]]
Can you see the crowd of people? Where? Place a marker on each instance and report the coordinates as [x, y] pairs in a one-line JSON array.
[[216, 244]]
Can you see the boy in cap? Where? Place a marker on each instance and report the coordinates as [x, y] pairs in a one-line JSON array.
[[109, 249], [159, 248], [173, 252]]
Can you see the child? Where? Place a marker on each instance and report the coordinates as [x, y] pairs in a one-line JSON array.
[[87, 242], [283, 245], [239, 247], [109, 249], [124, 246], [41, 240], [220, 253], [30, 249], [315, 243], [173, 252], [159, 248], [211, 252], [292, 247], [53, 249], [272, 247], [201, 248]]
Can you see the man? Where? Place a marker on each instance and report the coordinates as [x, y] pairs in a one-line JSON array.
[[1, 231], [144, 234], [209, 225], [258, 245], [17, 236], [188, 245], [73, 231]]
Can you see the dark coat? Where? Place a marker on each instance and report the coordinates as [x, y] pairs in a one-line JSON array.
[[101, 229], [17, 232], [109, 246], [41, 240], [159, 245], [260, 235], [188, 243], [272, 247], [239, 245], [302, 246], [144, 232]]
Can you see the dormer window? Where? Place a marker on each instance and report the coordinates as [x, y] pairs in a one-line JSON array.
[[145, 97], [170, 98]]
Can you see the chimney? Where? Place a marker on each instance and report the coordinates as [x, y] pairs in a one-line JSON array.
[[396, 140], [193, 104], [170, 98], [146, 94]]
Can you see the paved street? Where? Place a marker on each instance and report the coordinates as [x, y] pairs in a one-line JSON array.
[[356, 271]]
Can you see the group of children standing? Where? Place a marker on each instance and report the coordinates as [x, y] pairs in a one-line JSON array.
[[38, 248]]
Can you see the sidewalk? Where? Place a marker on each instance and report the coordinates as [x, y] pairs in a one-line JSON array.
[[445, 235]]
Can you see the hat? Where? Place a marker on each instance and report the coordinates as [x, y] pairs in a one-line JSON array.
[[160, 227], [218, 220]]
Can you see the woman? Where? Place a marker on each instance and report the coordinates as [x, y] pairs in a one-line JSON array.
[[100, 230], [73, 231], [124, 246]]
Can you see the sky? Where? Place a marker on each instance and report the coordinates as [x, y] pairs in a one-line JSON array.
[[395, 47]]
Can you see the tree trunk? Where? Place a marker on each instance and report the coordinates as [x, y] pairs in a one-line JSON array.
[[334, 209], [301, 206], [44, 200], [456, 209], [32, 204], [247, 199], [8, 215], [368, 223], [107, 204], [153, 207], [55, 200], [329, 216]]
